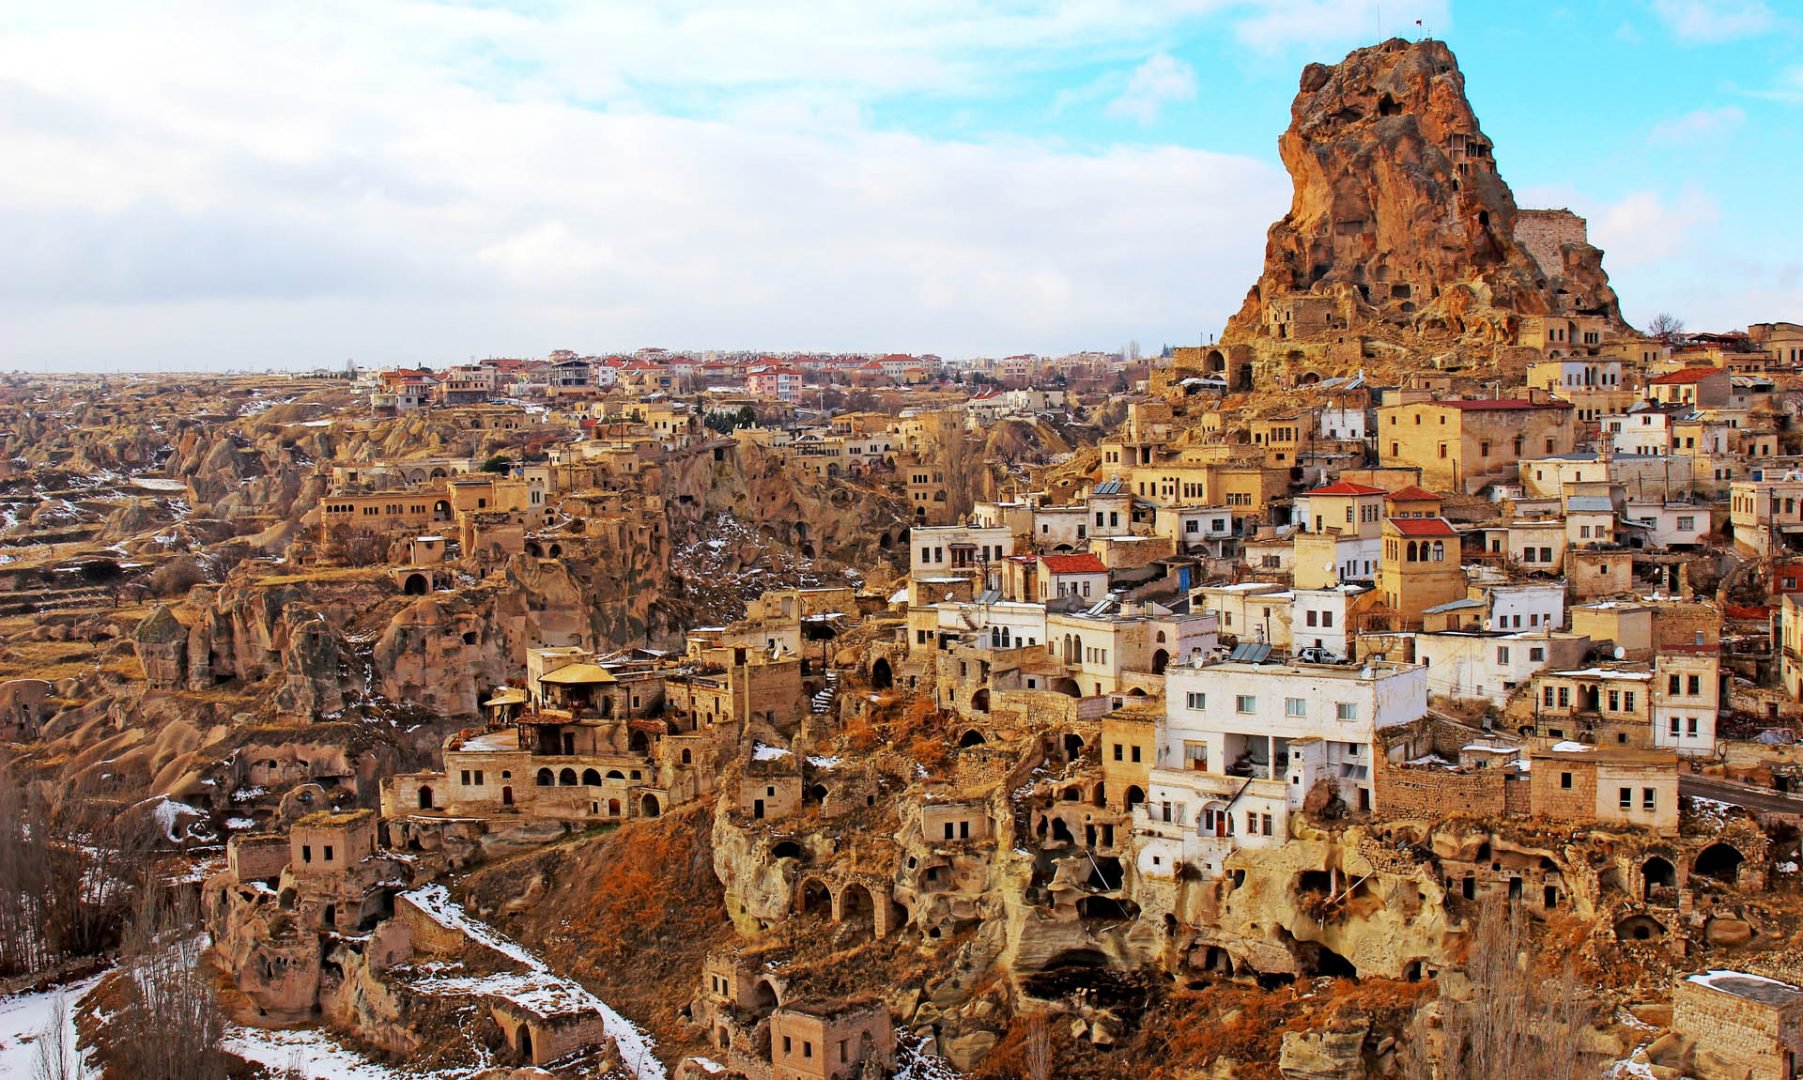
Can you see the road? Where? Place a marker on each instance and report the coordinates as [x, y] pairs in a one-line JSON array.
[[1764, 799]]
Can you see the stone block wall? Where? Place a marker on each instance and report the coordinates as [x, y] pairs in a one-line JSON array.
[[1736, 1037]]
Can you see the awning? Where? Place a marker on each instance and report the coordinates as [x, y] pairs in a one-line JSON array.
[[507, 695], [578, 675]]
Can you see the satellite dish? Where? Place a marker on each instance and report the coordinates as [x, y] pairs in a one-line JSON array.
[[1619, 653]]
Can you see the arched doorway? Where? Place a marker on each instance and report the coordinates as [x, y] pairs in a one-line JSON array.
[[1718, 861], [591, 778], [613, 808], [648, 806], [415, 586], [882, 677], [973, 737], [814, 898], [1067, 686], [545, 778], [638, 743], [1657, 873], [1135, 796], [425, 798], [857, 906], [525, 1042], [980, 700]]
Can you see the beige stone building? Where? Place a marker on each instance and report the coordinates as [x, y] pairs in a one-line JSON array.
[[1741, 1026], [1464, 445]]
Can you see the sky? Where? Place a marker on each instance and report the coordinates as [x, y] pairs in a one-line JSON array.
[[205, 185]]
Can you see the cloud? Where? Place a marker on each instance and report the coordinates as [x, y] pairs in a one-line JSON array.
[[251, 191], [1273, 25], [1644, 228], [1788, 88], [1159, 81], [1699, 125], [1701, 22]]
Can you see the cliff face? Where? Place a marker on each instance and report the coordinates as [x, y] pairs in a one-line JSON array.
[[1399, 221]]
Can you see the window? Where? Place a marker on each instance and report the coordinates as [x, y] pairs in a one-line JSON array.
[[1327, 618], [1674, 727], [1648, 798], [787, 1045], [328, 853], [1627, 798], [1564, 697], [1502, 654], [1671, 685], [1565, 780], [1692, 726], [1696, 685], [1312, 617], [306, 853], [1117, 751], [1295, 707], [1546, 696], [1196, 701], [1346, 710], [1245, 703], [1627, 700], [1135, 754], [1536, 654]]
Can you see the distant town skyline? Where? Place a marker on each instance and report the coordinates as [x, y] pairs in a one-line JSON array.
[[225, 187]]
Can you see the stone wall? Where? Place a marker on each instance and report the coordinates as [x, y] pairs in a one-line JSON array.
[[1545, 232], [1736, 1037]]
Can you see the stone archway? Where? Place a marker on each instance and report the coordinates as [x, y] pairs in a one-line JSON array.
[[1720, 861], [882, 676], [1657, 873], [814, 898], [648, 806], [415, 585]]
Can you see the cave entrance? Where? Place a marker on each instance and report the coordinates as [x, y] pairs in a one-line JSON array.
[[1320, 961], [1719, 861], [415, 586], [648, 806], [525, 1043], [857, 907], [1639, 928], [881, 676], [973, 737], [1106, 908]]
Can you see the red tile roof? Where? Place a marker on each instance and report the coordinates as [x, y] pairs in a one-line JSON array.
[[1347, 488], [1502, 404], [1413, 493], [1086, 563], [1685, 375], [1424, 527]]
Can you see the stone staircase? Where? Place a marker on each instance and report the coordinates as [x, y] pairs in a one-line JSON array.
[[823, 700]]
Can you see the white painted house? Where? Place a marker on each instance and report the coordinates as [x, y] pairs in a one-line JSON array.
[[1242, 745]]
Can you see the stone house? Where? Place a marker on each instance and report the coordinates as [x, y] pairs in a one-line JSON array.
[[1741, 1026], [1465, 445], [830, 1041], [1420, 568], [1606, 785]]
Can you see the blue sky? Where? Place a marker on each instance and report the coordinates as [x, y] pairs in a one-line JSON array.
[[212, 184]]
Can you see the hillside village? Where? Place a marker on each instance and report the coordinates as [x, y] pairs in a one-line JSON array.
[[809, 717]]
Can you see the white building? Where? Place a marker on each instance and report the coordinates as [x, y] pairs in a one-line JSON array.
[[1489, 665], [1242, 745], [1319, 618], [1344, 424], [1670, 524], [940, 549]]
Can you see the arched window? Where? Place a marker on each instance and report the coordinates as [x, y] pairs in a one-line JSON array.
[[567, 778], [544, 778], [1439, 551], [1411, 557]]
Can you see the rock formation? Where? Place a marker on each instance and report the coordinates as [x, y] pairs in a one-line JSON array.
[[1400, 222]]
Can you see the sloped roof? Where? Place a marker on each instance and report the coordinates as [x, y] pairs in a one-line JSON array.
[[1684, 375], [1412, 493], [1085, 563], [1424, 526], [1502, 404], [575, 674], [1346, 488]]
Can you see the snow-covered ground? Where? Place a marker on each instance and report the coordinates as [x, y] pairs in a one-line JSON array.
[[539, 987], [23, 1017], [310, 1053]]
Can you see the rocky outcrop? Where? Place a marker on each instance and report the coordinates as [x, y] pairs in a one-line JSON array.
[[1399, 221]]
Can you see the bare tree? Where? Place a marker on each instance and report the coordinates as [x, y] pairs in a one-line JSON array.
[[1038, 1049], [960, 459], [355, 547], [1517, 1022], [1666, 327], [171, 1026], [53, 1057]]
